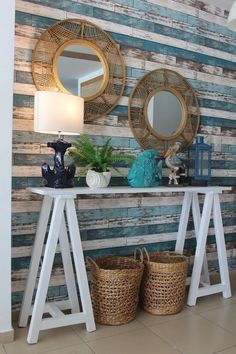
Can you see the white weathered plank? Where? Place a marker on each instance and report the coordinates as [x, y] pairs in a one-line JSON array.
[[25, 42], [24, 89], [190, 10], [25, 251], [90, 129], [136, 33], [101, 224], [31, 8], [187, 73], [21, 148], [23, 112], [206, 73], [57, 279], [35, 171], [25, 206]]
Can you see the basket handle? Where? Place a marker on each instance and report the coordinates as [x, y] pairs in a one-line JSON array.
[[140, 257], [145, 252], [91, 262], [173, 254]]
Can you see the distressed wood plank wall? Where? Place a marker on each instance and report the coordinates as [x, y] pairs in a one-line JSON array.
[[187, 36]]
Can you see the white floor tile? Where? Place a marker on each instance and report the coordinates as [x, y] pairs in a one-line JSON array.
[[48, 340], [195, 335], [141, 341]]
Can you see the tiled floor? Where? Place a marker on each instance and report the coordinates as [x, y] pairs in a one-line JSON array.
[[209, 327]]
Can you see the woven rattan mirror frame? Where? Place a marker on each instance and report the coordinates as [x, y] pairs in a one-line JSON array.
[[67, 31], [146, 87]]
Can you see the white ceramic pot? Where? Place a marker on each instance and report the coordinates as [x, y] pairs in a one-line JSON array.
[[98, 179]]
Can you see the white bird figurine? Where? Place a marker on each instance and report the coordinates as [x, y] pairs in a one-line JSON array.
[[174, 162]]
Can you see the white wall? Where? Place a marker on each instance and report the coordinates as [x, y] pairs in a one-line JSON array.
[[7, 24], [222, 4]]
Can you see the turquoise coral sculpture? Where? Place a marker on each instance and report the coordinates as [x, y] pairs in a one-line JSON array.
[[146, 170]]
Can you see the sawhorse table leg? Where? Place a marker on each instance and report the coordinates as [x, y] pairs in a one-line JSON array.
[[57, 231], [211, 202], [200, 282], [191, 199]]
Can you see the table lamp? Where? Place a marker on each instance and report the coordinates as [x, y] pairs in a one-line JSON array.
[[58, 113]]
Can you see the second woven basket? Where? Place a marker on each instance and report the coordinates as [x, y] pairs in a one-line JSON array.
[[164, 283]]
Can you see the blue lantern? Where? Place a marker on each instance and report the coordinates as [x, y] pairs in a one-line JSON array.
[[199, 155]]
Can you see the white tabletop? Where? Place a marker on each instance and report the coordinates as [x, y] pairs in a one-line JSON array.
[[53, 192]]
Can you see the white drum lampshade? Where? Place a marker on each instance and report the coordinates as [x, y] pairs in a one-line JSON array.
[[231, 23], [58, 113]]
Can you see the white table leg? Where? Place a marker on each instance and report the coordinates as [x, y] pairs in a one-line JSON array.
[[221, 249], [35, 260], [49, 254], [179, 246], [200, 249], [80, 265], [197, 220], [68, 268]]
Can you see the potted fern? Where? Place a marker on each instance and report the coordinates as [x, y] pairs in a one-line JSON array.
[[96, 160]]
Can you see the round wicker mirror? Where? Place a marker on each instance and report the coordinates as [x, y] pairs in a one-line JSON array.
[[163, 109], [76, 56]]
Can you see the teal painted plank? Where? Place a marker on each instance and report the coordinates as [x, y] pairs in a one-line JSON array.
[[24, 77], [119, 213], [34, 20], [67, 5], [219, 105], [23, 262], [150, 45], [225, 148], [218, 122], [22, 240], [164, 30], [223, 181], [134, 144], [32, 137], [225, 165], [37, 159], [211, 87], [23, 101], [168, 50], [56, 292], [132, 231], [182, 17], [115, 181], [24, 218], [232, 149], [154, 211], [24, 182], [23, 18], [122, 19]]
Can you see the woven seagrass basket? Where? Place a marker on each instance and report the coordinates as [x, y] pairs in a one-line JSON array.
[[115, 285], [164, 283]]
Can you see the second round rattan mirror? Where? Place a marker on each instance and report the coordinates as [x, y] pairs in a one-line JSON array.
[[163, 109]]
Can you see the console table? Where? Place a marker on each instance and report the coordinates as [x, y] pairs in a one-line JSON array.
[[61, 203]]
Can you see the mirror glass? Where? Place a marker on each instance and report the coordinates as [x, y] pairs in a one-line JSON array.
[[164, 113], [80, 70]]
